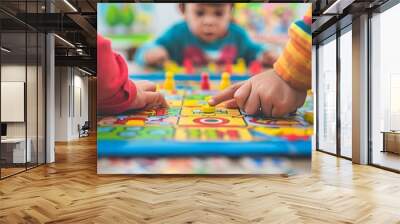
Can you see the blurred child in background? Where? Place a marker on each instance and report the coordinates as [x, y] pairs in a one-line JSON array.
[[282, 90], [116, 93], [206, 35]]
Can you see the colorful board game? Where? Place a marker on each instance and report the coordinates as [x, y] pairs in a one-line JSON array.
[[184, 129]]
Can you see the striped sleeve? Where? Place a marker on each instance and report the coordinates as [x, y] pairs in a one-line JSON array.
[[294, 64]]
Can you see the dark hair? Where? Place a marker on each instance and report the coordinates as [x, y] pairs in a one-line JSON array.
[[182, 5]]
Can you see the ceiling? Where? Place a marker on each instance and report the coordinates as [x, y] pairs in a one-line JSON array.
[[76, 25], [332, 15]]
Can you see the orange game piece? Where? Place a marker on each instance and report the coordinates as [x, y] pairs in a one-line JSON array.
[[189, 69], [205, 81]]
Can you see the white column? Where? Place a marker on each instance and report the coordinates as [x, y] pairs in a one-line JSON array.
[[50, 99], [360, 90]]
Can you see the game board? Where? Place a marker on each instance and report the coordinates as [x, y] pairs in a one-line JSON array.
[[184, 130]]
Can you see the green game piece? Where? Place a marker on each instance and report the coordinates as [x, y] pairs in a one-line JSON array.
[[112, 15], [127, 15]]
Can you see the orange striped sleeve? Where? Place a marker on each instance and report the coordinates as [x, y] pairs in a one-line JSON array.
[[294, 64]]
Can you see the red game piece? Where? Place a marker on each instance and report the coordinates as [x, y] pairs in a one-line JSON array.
[[205, 81], [255, 67], [228, 67], [189, 69]]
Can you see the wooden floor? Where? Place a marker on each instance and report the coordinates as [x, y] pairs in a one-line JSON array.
[[70, 191]]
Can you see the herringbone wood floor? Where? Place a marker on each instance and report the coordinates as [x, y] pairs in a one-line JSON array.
[[70, 191]]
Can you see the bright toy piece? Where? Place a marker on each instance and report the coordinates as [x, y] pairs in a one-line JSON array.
[[225, 81], [208, 109], [212, 67], [240, 67], [187, 64], [205, 81], [169, 83], [170, 66], [255, 67], [228, 68]]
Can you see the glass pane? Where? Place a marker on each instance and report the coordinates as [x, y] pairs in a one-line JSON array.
[[385, 86], [327, 97], [346, 94], [13, 85], [31, 98]]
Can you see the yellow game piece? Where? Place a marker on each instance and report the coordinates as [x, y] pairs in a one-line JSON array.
[[208, 109], [212, 67], [135, 123], [169, 83], [241, 66], [225, 81], [170, 66], [309, 117]]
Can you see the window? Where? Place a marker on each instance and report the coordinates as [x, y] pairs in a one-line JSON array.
[[327, 96], [385, 89], [23, 76], [346, 93]]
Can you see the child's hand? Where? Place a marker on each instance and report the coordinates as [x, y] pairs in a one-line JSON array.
[[265, 92], [156, 56], [146, 97]]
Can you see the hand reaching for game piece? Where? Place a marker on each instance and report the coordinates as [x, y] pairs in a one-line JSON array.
[[265, 92], [156, 56], [147, 97]]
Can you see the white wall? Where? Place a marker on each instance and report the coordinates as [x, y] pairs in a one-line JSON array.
[[69, 85], [61, 103]]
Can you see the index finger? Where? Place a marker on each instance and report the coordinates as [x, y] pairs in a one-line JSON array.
[[225, 94]]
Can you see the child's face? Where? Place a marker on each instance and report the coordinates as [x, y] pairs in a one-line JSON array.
[[209, 22]]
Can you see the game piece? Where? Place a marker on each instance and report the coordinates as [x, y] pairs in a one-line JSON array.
[[205, 81], [169, 83], [170, 66], [187, 64], [212, 67], [208, 109], [225, 81], [228, 67], [240, 66], [255, 67]]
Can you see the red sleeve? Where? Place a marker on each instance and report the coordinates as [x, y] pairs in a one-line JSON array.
[[115, 91]]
